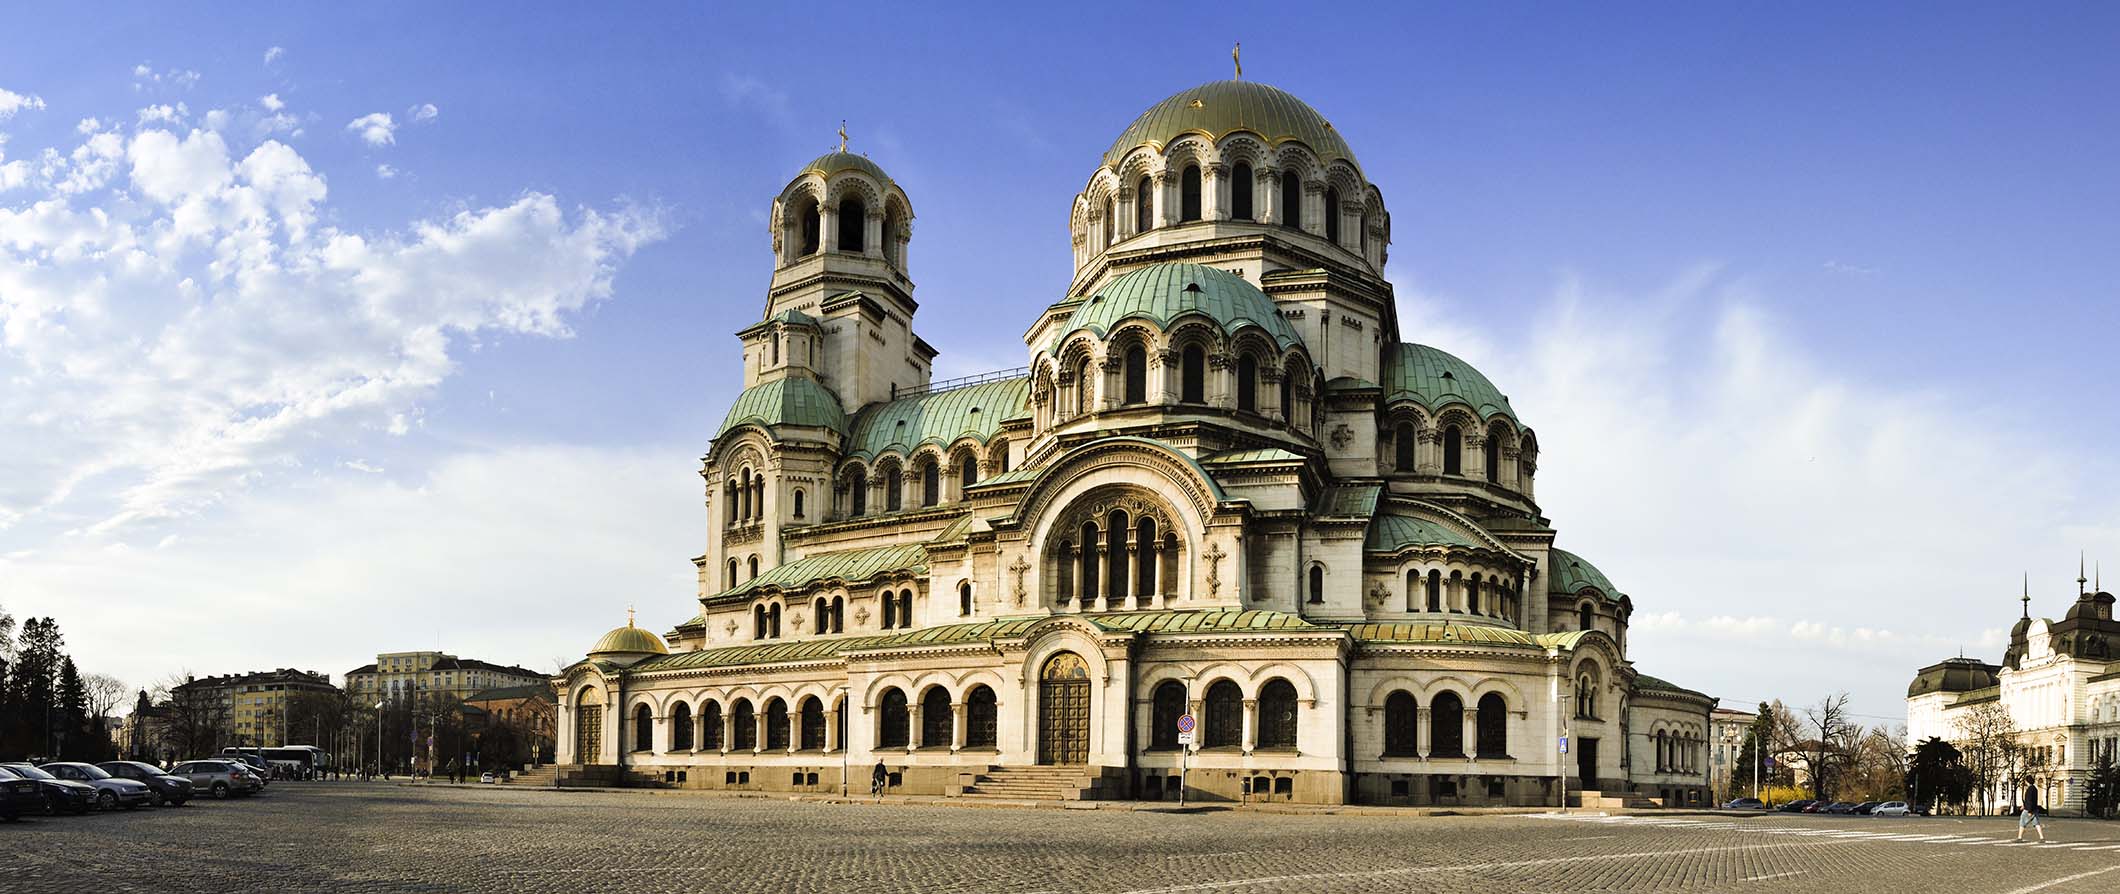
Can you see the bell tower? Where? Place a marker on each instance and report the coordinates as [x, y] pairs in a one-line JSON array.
[[841, 305]]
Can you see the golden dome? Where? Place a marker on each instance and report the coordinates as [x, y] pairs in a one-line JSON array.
[[630, 640], [1217, 109]]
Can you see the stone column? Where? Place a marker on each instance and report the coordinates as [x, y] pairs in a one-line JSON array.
[[831, 730], [1251, 724], [913, 728], [1133, 572], [1163, 214], [1471, 734], [1314, 209], [827, 227], [721, 723], [1424, 736], [1214, 178], [1266, 195], [1474, 455], [791, 719], [758, 731], [957, 727], [872, 233], [699, 732], [661, 735]]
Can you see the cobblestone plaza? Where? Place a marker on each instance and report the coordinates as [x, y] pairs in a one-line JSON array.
[[389, 838]]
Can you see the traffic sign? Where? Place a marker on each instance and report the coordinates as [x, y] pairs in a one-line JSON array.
[[1185, 729], [1564, 744]]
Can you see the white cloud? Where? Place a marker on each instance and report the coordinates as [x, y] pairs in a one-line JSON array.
[[88, 126], [271, 102], [274, 54], [423, 113], [375, 128], [164, 114], [385, 172], [12, 102], [145, 75]]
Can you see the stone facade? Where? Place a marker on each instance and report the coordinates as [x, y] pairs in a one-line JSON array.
[[1222, 485]]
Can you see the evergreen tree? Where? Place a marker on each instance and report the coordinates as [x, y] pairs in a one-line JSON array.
[[36, 678], [76, 740]]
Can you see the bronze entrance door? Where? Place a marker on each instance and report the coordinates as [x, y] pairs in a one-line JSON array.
[[1063, 710], [588, 734]]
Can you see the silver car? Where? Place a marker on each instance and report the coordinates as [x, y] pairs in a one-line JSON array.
[[219, 778], [111, 792]]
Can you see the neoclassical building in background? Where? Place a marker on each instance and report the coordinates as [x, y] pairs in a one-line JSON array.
[[1224, 484], [2059, 681]]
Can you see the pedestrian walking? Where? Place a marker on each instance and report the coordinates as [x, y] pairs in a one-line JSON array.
[[879, 779], [2029, 815]]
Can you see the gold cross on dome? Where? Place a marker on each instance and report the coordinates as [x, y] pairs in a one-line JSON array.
[[1236, 55], [842, 134], [629, 614]]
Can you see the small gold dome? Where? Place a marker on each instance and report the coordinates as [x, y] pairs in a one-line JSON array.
[[630, 640]]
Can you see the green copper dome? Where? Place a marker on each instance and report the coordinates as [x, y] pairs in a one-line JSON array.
[[1432, 378], [794, 400], [834, 162], [1221, 108], [974, 411], [1570, 575], [1161, 293]]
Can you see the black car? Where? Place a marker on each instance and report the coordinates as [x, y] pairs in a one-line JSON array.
[[1864, 808], [1796, 806], [19, 796], [60, 795], [1745, 804], [164, 789]]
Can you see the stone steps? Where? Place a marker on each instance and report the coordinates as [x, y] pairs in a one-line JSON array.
[[1028, 784]]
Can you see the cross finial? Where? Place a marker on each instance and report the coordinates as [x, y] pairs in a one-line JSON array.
[[629, 614], [842, 134], [2080, 579], [1236, 55], [2027, 597]]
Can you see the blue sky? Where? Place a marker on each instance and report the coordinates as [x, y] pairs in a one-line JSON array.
[[1808, 304]]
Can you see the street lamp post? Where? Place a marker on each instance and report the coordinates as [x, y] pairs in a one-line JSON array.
[[844, 693]]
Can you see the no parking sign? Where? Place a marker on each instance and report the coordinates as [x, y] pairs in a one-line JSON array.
[[1185, 729]]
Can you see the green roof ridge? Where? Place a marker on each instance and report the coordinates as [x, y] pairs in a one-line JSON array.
[[790, 400], [1163, 292], [940, 418], [1434, 378]]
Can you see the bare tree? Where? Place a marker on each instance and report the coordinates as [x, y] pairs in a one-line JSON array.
[[1988, 740], [105, 694]]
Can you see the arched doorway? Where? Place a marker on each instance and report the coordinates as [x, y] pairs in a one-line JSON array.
[[1063, 710], [588, 728]]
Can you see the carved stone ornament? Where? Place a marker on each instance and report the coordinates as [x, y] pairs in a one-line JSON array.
[[861, 614], [1214, 557], [795, 620], [1019, 567], [1341, 435], [1378, 594], [731, 628]]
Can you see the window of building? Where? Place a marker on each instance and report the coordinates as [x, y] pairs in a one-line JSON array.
[[1291, 200], [1492, 454], [981, 718], [905, 608], [1453, 443], [776, 725], [643, 728], [1332, 214], [1169, 706], [1189, 194], [1192, 375], [893, 720], [930, 485], [1435, 591], [798, 502], [967, 471], [681, 727], [1586, 697], [1111, 222], [1136, 374], [1277, 715], [1492, 726], [937, 720], [1144, 205], [858, 493], [893, 490], [754, 569], [773, 621], [1317, 584], [811, 223], [1225, 715], [1240, 191], [890, 611], [1446, 717], [853, 224], [1402, 720], [812, 725], [1586, 618], [1403, 441], [964, 599]]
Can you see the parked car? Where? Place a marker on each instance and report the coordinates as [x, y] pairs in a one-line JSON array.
[[1839, 807], [1864, 808], [219, 778], [19, 796], [1746, 804], [111, 792], [165, 790], [1797, 806], [254, 763], [488, 777], [60, 795], [1893, 808]]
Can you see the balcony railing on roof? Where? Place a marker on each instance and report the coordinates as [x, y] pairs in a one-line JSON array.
[[960, 382]]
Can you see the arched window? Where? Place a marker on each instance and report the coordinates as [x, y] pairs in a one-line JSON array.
[[936, 718], [1115, 554], [839, 614], [1247, 384], [710, 726], [1492, 454], [643, 729], [1240, 192], [1192, 375], [754, 569], [1402, 720], [1663, 748], [1145, 543], [1288, 397], [1291, 200], [893, 490], [758, 622], [1169, 706], [776, 725], [1586, 618], [820, 616], [773, 621], [981, 718], [1225, 715], [1492, 726], [743, 727], [1403, 441], [1111, 222], [746, 509], [681, 727], [798, 502], [858, 493], [964, 598], [905, 608], [892, 726], [1090, 572], [1472, 594], [731, 582], [890, 611], [1317, 585], [930, 485], [997, 455], [1453, 442], [1435, 591], [1136, 375], [1189, 194], [1332, 214], [1066, 560], [1446, 718], [853, 223], [811, 222], [1586, 697], [1144, 206], [1277, 715], [812, 732], [967, 472]]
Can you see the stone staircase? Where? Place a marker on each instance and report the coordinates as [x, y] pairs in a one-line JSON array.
[[1030, 784], [1621, 800], [536, 777]]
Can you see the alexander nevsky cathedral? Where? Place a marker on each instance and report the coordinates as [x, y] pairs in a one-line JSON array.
[[1225, 487]]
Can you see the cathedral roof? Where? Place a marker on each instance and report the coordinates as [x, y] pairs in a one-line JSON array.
[[629, 639], [1646, 683], [974, 411], [1161, 293], [1220, 108], [1433, 378], [852, 566], [1392, 532], [834, 162], [793, 400], [1570, 575]]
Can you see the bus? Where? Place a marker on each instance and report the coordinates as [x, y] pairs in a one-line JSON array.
[[293, 761]]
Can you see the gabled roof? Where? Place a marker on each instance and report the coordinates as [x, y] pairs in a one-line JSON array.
[[853, 566], [1433, 378], [942, 417]]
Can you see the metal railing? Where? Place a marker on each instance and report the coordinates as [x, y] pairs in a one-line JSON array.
[[960, 382]]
